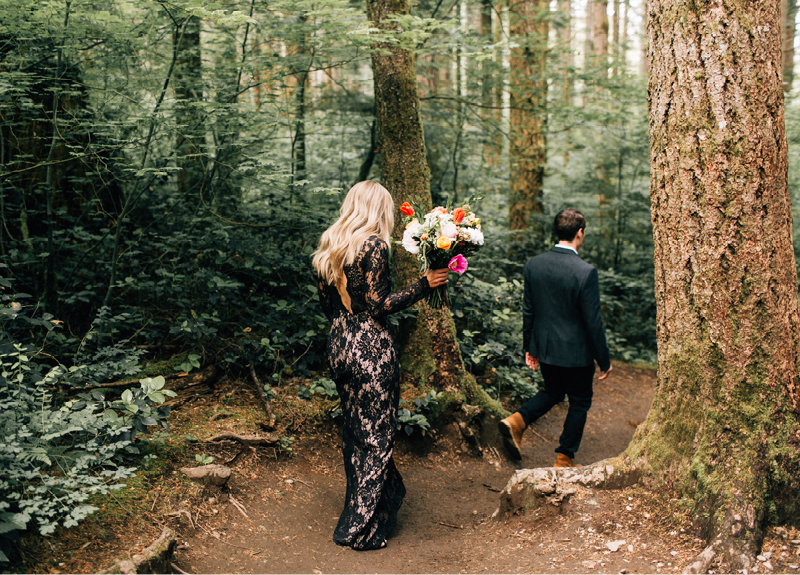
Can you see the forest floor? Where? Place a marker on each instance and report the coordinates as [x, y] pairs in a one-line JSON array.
[[289, 506]]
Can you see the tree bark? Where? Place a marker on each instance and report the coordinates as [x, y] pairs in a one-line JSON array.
[[299, 140], [600, 33], [623, 45], [588, 46], [527, 152], [429, 352], [189, 91], [788, 29], [615, 39], [723, 430], [50, 280], [565, 38]]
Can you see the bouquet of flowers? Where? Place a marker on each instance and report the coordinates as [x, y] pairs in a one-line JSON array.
[[444, 238]]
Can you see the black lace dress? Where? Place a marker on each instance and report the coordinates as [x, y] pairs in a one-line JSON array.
[[363, 363]]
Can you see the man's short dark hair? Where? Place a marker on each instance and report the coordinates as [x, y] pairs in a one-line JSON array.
[[567, 224]]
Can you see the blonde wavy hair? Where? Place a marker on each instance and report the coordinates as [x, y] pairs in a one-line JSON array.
[[367, 210]]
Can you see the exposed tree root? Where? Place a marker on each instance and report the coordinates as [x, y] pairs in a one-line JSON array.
[[702, 562], [736, 542], [154, 559], [268, 439], [532, 488]]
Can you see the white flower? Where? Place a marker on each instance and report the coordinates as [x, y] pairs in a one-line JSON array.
[[475, 236], [432, 219], [409, 243], [449, 229]]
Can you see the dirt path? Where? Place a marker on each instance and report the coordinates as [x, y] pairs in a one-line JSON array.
[[446, 523]]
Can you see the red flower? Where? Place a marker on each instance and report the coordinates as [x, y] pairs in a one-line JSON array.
[[407, 209], [458, 215]]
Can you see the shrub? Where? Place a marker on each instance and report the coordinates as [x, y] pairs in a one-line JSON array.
[[55, 453]]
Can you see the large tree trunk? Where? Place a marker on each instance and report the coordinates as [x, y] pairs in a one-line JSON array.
[[565, 39], [615, 21], [527, 152], [429, 353], [788, 29], [588, 45], [188, 88], [299, 140], [600, 33], [723, 430], [623, 38]]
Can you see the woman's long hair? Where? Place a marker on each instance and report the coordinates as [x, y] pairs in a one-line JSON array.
[[367, 210]]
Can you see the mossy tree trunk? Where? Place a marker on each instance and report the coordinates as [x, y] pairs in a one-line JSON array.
[[527, 150], [723, 429], [429, 353], [188, 87]]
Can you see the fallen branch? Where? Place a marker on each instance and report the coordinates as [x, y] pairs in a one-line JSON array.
[[154, 502], [539, 435], [238, 505], [263, 395], [178, 569], [245, 439], [236, 457], [182, 512], [453, 526]]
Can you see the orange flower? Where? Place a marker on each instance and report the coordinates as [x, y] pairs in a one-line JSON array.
[[440, 210], [459, 215], [443, 243], [407, 209]]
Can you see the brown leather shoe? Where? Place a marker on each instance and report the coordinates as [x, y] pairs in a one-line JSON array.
[[564, 461], [511, 429]]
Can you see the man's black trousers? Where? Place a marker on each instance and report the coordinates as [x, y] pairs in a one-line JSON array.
[[576, 384]]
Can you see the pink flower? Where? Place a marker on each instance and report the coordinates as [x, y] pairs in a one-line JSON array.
[[458, 264]]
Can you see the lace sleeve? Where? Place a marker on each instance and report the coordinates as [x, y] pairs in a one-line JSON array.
[[379, 298], [325, 299]]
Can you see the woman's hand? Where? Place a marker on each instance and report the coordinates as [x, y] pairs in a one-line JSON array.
[[437, 278]]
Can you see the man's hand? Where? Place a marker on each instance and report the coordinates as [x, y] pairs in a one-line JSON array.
[[533, 362], [605, 373]]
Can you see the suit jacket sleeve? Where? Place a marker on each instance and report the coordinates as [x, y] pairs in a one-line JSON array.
[[590, 308], [527, 317]]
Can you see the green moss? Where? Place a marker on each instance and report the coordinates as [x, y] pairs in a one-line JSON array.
[[418, 359], [446, 404], [163, 367]]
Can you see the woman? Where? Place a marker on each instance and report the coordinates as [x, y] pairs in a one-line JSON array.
[[352, 261]]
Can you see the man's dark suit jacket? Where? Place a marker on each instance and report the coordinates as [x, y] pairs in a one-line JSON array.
[[561, 321]]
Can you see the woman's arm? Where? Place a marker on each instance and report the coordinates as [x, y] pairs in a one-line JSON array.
[[376, 274], [325, 299]]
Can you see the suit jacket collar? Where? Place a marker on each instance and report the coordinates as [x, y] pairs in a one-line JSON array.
[[564, 250]]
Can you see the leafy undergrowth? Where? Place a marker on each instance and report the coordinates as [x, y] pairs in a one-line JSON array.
[[131, 518]]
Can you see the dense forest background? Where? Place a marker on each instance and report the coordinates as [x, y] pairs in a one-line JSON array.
[[167, 167]]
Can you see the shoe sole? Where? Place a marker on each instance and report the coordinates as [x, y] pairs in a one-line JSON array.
[[508, 440]]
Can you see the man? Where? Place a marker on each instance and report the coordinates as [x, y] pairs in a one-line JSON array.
[[562, 331]]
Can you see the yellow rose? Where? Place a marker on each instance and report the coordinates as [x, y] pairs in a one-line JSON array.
[[443, 243]]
